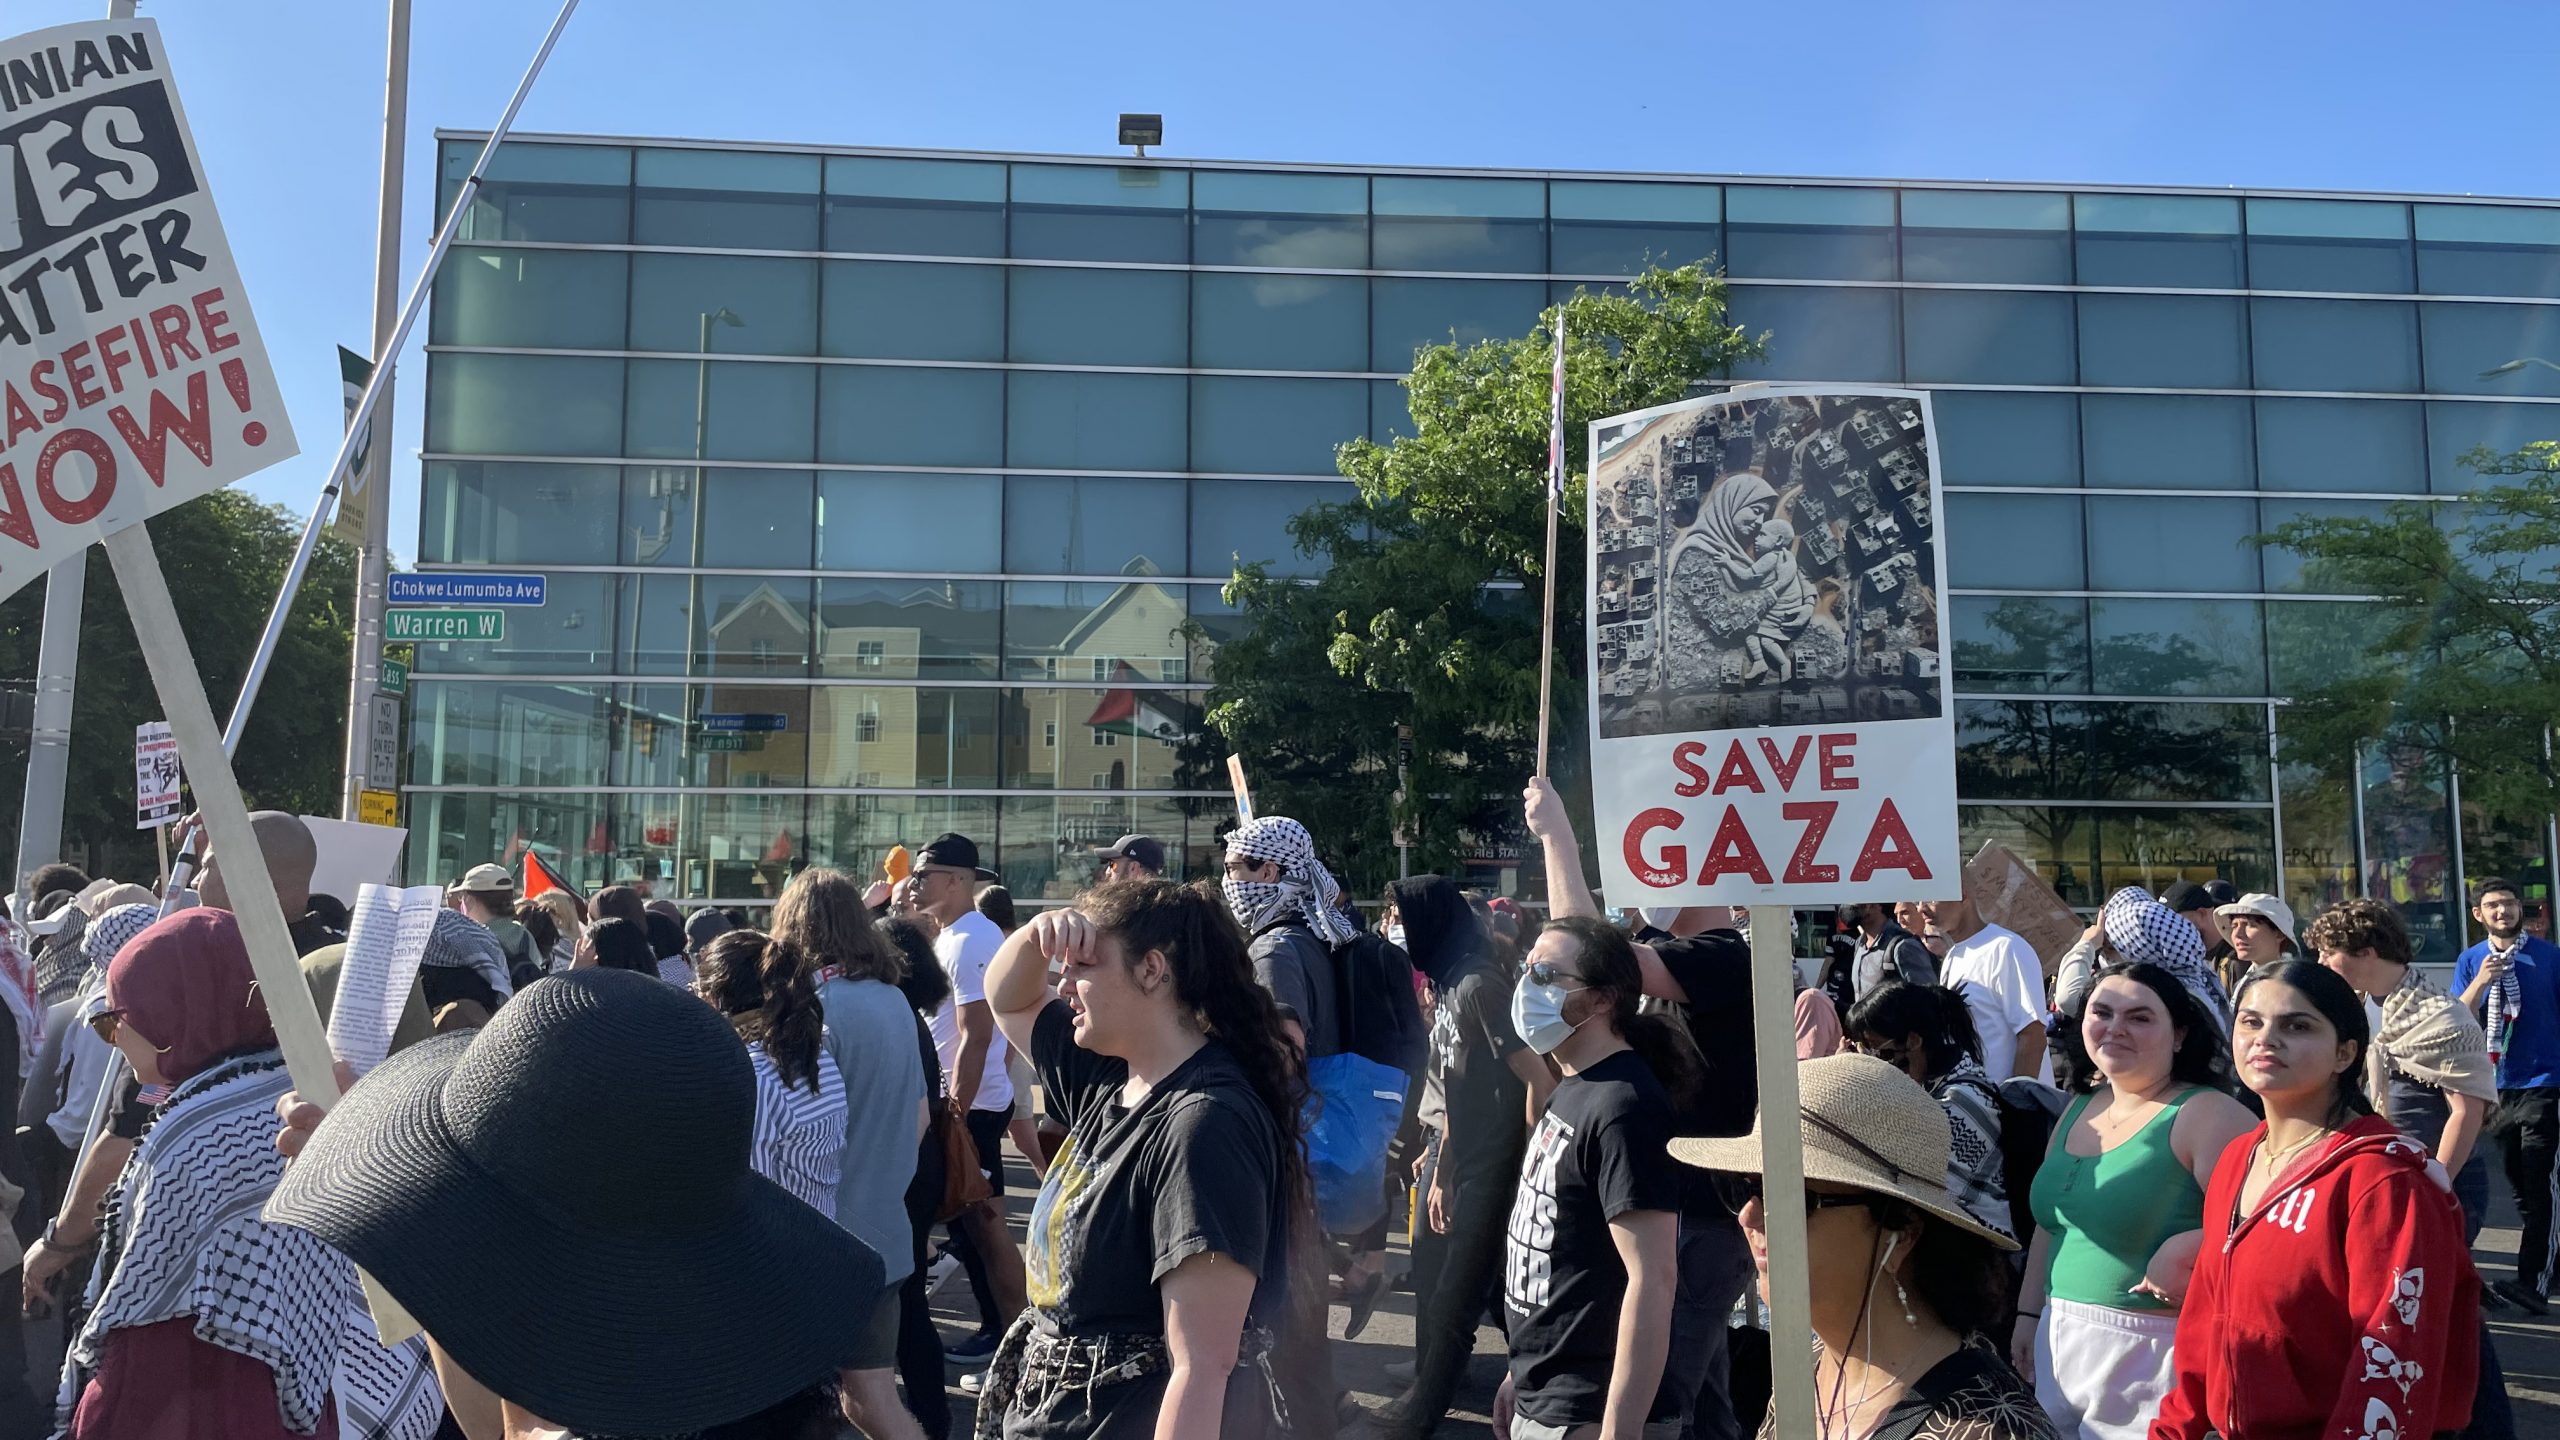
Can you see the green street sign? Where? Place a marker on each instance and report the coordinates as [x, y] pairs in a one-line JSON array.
[[395, 677], [444, 625], [715, 743]]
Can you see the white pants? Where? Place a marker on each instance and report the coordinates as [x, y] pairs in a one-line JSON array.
[[2102, 1373]]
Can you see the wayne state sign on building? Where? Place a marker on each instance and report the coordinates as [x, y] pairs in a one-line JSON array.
[[1769, 716]]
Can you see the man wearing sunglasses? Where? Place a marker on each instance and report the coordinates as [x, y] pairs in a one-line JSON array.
[[1709, 973]]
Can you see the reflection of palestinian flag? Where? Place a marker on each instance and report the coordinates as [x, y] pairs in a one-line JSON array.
[[1150, 714], [539, 877]]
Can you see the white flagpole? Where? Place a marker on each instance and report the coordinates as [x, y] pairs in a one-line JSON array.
[[1555, 498]]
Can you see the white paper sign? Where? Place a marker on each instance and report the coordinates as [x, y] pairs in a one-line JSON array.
[[386, 938], [1768, 651], [353, 853], [156, 775], [132, 377]]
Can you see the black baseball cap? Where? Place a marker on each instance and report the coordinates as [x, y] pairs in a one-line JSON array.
[[1143, 849], [2222, 892], [955, 852], [2187, 895]]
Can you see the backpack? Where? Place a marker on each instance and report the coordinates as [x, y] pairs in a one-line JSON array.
[[1356, 1095], [1375, 997], [2029, 1109]]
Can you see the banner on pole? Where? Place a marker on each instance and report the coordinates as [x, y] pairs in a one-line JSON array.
[[132, 378], [356, 495], [1767, 646], [156, 775]]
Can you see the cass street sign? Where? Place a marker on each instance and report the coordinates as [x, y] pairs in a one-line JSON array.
[[444, 625], [447, 588]]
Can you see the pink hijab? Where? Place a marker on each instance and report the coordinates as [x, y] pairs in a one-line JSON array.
[[185, 986]]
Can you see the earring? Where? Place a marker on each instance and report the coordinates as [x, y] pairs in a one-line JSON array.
[[1905, 1297]]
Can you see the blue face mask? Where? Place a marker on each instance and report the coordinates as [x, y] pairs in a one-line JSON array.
[[1537, 1012]]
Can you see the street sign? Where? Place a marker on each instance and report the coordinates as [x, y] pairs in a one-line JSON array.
[[749, 722], [155, 775], [382, 744], [731, 743], [378, 807], [462, 588], [444, 625], [395, 677]]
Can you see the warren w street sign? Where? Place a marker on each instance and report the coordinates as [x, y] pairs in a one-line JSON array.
[[444, 625], [463, 589], [750, 722]]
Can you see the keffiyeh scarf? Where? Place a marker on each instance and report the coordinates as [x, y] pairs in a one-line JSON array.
[[2147, 932], [183, 1239], [1305, 886], [2500, 1008], [458, 942]]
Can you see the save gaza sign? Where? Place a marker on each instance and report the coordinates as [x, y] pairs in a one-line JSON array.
[[1767, 641], [132, 376]]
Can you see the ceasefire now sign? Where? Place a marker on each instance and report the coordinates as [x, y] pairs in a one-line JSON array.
[[132, 378]]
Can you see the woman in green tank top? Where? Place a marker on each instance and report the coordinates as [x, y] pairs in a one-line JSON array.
[[2119, 1205]]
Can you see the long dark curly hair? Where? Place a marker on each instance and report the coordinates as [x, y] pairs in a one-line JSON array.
[[1608, 962], [1208, 956], [770, 996]]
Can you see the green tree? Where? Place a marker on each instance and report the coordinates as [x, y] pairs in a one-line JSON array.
[[225, 556], [2459, 657], [1428, 613]]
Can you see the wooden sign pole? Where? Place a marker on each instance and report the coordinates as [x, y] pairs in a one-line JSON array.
[[225, 815], [1773, 1041]]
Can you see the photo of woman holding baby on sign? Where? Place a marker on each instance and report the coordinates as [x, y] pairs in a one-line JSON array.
[[1792, 537]]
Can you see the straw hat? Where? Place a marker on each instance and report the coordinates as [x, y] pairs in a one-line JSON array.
[[1865, 1124]]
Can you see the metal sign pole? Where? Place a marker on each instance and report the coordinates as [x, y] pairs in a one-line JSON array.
[[373, 559]]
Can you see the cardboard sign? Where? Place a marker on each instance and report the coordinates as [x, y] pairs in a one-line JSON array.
[[157, 776], [1768, 651], [1244, 792], [132, 378], [2009, 892]]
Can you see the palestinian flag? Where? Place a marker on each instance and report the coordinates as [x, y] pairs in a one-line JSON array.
[[540, 877], [1148, 714]]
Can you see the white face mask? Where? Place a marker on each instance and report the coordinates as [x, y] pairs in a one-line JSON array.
[[1395, 935], [1660, 917], [1537, 1013]]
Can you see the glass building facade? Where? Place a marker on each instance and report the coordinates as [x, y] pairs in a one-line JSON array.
[[927, 459]]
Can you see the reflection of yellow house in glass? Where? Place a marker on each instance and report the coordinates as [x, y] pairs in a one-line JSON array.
[[1111, 731]]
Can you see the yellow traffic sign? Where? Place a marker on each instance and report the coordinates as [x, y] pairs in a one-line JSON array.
[[378, 807]]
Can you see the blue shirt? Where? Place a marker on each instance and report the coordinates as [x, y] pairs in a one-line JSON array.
[[2532, 1058]]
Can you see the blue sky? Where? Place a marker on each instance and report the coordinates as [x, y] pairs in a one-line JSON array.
[[285, 98]]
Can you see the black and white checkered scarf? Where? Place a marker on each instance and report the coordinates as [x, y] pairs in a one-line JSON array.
[[183, 1239]]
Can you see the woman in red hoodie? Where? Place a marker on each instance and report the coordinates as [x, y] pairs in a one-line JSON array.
[[2334, 1299]]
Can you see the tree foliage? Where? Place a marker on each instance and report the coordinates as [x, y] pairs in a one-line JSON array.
[[1428, 613], [225, 556], [2458, 656]]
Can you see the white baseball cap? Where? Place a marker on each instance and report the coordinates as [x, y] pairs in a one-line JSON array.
[[2266, 907]]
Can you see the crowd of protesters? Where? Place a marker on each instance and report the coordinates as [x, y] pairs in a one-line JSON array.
[[641, 1172]]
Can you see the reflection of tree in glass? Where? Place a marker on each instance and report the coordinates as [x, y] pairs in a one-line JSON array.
[[2063, 749], [2462, 658]]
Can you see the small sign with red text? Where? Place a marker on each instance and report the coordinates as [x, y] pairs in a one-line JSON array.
[[1767, 645], [132, 378]]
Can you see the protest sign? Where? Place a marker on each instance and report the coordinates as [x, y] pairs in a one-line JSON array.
[[2011, 894], [132, 377], [353, 853], [1767, 649], [156, 775]]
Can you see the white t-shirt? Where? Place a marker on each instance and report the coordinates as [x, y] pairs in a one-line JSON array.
[[2003, 990], [964, 948]]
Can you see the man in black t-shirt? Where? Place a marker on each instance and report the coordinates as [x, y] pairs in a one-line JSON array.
[[1589, 1268], [1709, 975]]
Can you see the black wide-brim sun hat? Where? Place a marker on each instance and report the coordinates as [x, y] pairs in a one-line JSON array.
[[577, 1231]]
